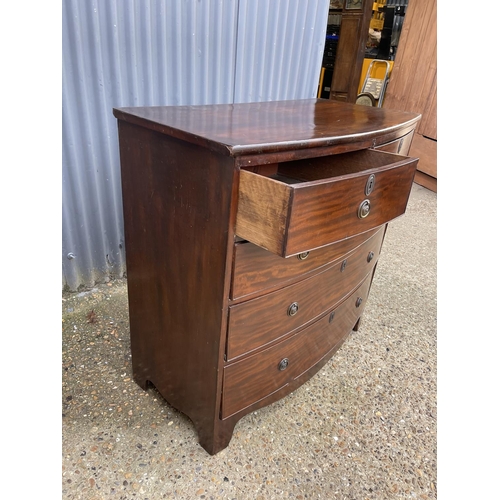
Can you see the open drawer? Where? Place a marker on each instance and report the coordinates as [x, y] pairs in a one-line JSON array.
[[306, 204]]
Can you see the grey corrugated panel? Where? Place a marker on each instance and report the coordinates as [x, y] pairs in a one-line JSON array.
[[280, 49], [164, 52], [127, 53], [92, 232]]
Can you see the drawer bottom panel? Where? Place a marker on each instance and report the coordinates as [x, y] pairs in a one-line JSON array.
[[255, 377]]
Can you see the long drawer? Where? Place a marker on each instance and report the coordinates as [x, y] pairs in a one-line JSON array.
[[311, 203], [256, 270], [257, 322], [259, 375]]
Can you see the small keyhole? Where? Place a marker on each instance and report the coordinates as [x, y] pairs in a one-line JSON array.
[[370, 183]]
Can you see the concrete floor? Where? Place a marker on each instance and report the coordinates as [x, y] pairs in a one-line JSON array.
[[363, 428]]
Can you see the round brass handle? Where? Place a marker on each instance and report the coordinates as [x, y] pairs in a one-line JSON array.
[[358, 302], [283, 364], [303, 255], [370, 256], [364, 209], [293, 308]]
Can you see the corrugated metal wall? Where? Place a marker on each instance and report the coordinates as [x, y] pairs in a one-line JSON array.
[[280, 49], [144, 53]]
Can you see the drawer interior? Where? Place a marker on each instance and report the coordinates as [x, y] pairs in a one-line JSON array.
[[327, 167]]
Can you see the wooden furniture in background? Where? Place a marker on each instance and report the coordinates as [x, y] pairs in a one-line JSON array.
[[413, 84], [350, 51], [252, 233]]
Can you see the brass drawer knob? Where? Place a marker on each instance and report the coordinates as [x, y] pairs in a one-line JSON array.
[[364, 209], [303, 255], [293, 308], [283, 364], [370, 256], [358, 302]]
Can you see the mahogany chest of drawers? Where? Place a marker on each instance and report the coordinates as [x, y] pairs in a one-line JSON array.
[[252, 233]]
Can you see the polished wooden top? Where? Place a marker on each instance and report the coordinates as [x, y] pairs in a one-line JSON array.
[[250, 128]]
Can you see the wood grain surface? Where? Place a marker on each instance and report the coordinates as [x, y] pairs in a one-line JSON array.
[[260, 321], [256, 270], [187, 171], [258, 376]]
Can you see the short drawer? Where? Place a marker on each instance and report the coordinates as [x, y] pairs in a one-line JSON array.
[[255, 377], [311, 203], [260, 321], [400, 146], [256, 269]]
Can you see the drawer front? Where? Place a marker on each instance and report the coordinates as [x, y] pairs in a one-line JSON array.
[[259, 375], [312, 203], [399, 146], [256, 269], [259, 321]]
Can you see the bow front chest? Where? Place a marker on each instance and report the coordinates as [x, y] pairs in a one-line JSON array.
[[252, 233]]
